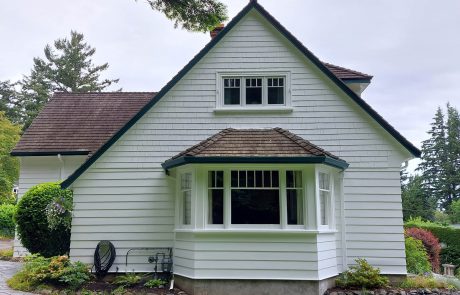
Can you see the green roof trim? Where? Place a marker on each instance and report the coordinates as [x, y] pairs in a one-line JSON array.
[[49, 153], [255, 160], [203, 52]]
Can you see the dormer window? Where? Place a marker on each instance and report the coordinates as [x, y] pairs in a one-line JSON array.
[[253, 91]]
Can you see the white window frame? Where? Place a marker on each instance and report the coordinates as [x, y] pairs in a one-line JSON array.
[[180, 200], [242, 76], [329, 201]]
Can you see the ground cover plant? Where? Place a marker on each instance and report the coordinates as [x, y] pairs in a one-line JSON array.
[[362, 275]]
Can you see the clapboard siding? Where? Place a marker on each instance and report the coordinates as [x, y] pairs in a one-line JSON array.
[[128, 192], [36, 170]]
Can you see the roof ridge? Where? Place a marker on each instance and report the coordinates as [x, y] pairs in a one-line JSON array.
[[102, 92]]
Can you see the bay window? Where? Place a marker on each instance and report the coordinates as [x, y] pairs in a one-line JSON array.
[[186, 197]]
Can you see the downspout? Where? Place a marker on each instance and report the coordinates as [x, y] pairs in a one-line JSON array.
[[61, 169], [342, 223]]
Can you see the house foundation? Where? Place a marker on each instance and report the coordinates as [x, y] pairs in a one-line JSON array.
[[252, 287]]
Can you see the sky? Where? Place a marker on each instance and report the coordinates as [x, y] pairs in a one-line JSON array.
[[411, 47]]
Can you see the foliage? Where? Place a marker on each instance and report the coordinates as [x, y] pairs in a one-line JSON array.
[[416, 202], [362, 275], [6, 254], [440, 165], [67, 67], [455, 211], [416, 257], [441, 217], [7, 225], [154, 283], [448, 236], [57, 270], [425, 282], [32, 223], [9, 166], [127, 280], [430, 242], [59, 212], [192, 15]]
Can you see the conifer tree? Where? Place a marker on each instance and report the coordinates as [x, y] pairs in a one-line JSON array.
[[452, 159]]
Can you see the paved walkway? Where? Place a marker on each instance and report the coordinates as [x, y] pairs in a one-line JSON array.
[[7, 270]]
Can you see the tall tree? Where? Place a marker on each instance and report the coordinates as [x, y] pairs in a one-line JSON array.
[[440, 165], [433, 158], [9, 166], [8, 101], [192, 15], [67, 67], [416, 202]]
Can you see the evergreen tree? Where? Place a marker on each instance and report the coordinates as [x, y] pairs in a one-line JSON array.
[[9, 166], [8, 101], [416, 202], [192, 15], [440, 165], [433, 158], [67, 67]]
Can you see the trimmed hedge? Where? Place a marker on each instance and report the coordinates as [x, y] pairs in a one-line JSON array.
[[416, 257], [448, 236], [7, 224], [32, 224]]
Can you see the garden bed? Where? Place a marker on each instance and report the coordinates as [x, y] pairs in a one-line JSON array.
[[392, 291]]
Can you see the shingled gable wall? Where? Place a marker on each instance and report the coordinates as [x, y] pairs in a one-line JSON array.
[[126, 197]]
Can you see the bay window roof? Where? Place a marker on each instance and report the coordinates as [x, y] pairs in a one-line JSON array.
[[275, 145]]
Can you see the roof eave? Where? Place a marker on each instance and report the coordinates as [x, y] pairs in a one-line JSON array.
[[47, 153], [184, 160]]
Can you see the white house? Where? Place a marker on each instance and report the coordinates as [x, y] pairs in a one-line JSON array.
[[258, 164]]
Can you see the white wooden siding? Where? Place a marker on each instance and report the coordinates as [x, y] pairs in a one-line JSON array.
[[36, 170], [126, 186]]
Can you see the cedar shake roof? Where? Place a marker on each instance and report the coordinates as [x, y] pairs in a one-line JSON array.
[[275, 142], [346, 74], [79, 123]]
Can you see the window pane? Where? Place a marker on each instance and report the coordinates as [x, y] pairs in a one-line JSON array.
[[294, 206], [267, 178], [242, 179], [324, 181], [234, 178], [275, 95], [216, 206], [275, 179], [186, 201], [219, 178], [259, 178], [254, 95], [255, 206], [250, 178], [186, 181], [290, 182], [323, 201], [231, 96]]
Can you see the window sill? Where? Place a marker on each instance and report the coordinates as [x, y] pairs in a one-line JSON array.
[[262, 109], [254, 231]]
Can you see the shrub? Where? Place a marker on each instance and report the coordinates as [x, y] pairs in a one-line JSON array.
[[430, 242], [57, 270], [7, 225], [154, 283], [416, 257], [441, 218], [6, 254], [455, 211], [32, 224], [127, 280], [362, 275], [425, 282]]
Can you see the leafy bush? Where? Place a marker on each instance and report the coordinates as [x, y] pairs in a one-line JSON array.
[[362, 275], [448, 236], [425, 282], [416, 257], [455, 212], [430, 242], [6, 254], [32, 223], [58, 270], [154, 283], [7, 225], [127, 280], [441, 218]]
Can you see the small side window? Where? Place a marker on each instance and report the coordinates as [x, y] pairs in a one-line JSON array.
[[186, 198], [275, 88], [294, 197], [232, 91], [324, 198], [215, 197]]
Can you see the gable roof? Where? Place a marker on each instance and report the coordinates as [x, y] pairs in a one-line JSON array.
[[296, 43], [79, 123], [275, 145]]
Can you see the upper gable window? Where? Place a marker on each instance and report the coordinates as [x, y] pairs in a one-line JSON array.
[[253, 91]]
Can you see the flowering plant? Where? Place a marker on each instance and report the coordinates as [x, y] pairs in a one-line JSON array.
[[59, 212]]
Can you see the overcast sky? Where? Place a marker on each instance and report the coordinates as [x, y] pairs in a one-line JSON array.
[[411, 47]]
